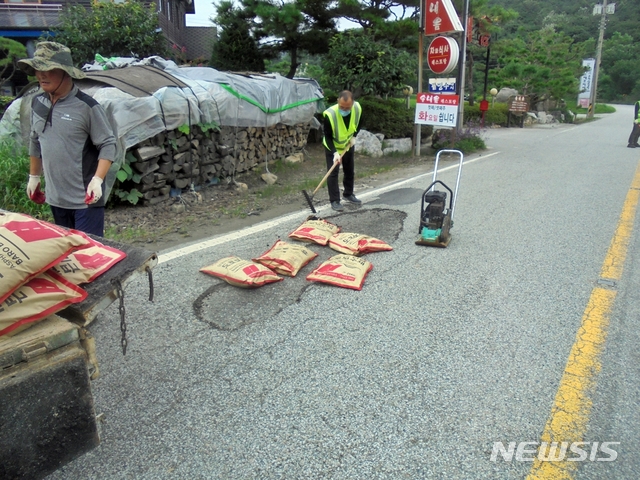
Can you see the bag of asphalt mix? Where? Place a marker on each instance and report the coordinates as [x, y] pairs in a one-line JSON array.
[[286, 258], [28, 247], [241, 273], [316, 231], [344, 271], [357, 244]]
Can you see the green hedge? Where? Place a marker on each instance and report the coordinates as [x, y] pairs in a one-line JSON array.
[[389, 117], [4, 103], [14, 174], [496, 115]]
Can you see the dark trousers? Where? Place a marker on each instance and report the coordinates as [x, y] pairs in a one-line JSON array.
[[88, 220], [635, 134], [348, 170]]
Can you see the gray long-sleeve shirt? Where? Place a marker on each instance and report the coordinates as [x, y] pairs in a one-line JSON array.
[[70, 138]]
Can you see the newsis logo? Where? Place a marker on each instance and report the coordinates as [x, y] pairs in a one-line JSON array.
[[555, 451]]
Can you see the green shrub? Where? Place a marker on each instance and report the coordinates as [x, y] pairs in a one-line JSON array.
[[496, 115], [468, 140], [14, 175], [4, 103], [389, 117]]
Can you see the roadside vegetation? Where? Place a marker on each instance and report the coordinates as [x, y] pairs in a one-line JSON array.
[[14, 172], [536, 47]]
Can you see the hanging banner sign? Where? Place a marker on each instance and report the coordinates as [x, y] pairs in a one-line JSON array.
[[442, 55], [584, 97], [440, 16], [437, 110]]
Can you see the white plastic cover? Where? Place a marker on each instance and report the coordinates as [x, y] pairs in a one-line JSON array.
[[212, 96]]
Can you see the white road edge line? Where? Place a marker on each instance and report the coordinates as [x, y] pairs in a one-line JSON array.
[[260, 227], [564, 131]]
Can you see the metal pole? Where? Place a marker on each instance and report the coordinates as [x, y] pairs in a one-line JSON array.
[[418, 127], [594, 88], [486, 72], [461, 70]]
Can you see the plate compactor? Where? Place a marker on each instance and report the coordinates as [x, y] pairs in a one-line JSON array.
[[436, 219]]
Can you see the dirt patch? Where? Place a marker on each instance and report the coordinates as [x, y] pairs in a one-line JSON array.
[[225, 207]]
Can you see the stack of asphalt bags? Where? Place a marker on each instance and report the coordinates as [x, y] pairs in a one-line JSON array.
[[42, 267]]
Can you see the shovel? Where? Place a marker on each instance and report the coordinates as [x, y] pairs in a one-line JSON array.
[[309, 198]]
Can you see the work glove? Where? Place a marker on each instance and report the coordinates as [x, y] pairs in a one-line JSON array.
[[94, 191], [336, 157], [637, 121], [352, 142], [33, 189]]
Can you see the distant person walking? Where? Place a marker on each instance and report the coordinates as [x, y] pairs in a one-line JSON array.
[[71, 142], [341, 125], [635, 133]]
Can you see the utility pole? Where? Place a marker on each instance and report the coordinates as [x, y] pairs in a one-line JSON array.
[[594, 88], [463, 63], [418, 127]]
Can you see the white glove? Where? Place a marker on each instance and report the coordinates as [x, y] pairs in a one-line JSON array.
[[94, 191], [336, 157], [352, 142], [32, 186], [636, 121]]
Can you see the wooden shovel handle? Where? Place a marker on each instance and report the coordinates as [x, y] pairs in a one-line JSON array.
[[335, 164]]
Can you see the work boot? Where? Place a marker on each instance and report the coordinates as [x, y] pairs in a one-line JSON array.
[[352, 198], [632, 145], [337, 206]]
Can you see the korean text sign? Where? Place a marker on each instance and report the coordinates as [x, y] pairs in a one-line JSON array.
[[437, 110]]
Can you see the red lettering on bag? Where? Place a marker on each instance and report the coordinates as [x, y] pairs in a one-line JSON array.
[[92, 261], [329, 271], [31, 231], [42, 286]]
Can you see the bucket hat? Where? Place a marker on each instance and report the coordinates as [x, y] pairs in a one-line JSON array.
[[49, 56]]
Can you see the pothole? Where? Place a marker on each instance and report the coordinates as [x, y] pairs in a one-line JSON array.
[[229, 308]]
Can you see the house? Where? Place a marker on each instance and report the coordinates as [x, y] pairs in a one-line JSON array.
[[27, 20]]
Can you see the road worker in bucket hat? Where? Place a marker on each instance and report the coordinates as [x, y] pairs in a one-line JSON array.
[[49, 56], [71, 142]]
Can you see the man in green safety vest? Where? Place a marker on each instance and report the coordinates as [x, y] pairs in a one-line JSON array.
[[341, 125], [635, 133]]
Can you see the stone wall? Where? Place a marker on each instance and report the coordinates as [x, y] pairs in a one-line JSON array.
[[177, 160]]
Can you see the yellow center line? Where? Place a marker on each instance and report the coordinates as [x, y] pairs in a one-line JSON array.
[[572, 405]]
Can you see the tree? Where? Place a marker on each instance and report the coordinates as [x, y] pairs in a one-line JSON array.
[[545, 64], [621, 65], [111, 29], [372, 13], [10, 52], [236, 50], [486, 20], [291, 27], [358, 63]]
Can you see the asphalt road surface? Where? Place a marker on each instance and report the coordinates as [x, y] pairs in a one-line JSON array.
[[516, 332]]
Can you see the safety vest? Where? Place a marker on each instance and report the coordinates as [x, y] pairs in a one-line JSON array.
[[341, 134], [638, 110]]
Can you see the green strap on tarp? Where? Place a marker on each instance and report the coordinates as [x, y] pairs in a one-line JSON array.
[[262, 107]]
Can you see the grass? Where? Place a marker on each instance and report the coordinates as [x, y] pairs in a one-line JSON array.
[[128, 234], [14, 175], [600, 108], [275, 190]]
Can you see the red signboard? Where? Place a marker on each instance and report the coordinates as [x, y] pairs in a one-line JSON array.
[[436, 99], [442, 55], [440, 16]]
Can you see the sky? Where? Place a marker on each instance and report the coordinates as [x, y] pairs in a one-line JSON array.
[[204, 11]]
